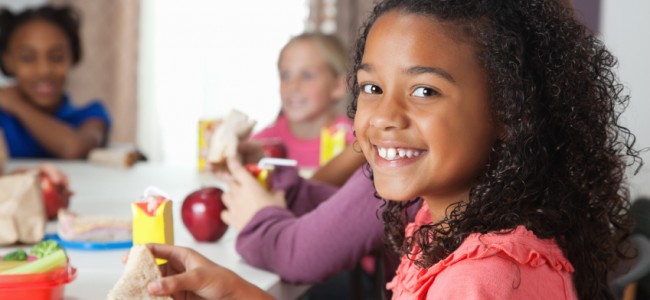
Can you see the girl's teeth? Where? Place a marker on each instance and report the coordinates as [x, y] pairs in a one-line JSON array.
[[391, 153], [397, 153], [382, 152]]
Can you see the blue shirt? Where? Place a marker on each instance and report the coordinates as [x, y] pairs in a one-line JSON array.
[[20, 141]]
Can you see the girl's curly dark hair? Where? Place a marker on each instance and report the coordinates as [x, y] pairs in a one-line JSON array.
[[65, 17], [559, 168]]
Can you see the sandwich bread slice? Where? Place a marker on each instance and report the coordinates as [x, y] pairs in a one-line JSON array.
[[140, 270], [234, 128], [73, 227]]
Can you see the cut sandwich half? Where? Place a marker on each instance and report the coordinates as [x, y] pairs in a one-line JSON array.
[[235, 127], [73, 227], [140, 270]]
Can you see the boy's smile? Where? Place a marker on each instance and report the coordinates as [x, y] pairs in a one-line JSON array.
[[422, 118]]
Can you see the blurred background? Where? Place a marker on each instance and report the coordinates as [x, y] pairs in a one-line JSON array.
[[160, 66]]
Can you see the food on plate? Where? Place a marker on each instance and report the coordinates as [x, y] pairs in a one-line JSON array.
[[18, 255], [201, 213], [55, 196], [45, 248], [74, 227], [123, 157], [6, 265], [140, 270], [48, 255], [235, 127]]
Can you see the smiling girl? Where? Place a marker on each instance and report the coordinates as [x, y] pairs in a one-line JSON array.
[[38, 47], [312, 82], [502, 117]]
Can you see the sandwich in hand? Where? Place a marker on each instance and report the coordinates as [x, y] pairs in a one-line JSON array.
[[140, 270], [234, 128]]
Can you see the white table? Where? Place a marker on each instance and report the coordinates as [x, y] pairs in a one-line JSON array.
[[109, 191]]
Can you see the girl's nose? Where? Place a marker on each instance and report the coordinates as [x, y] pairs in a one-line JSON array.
[[43, 66], [389, 114]]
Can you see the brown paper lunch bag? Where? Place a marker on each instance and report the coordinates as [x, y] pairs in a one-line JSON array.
[[22, 214]]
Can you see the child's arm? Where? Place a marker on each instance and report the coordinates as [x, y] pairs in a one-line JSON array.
[[190, 275], [320, 243], [337, 171], [57, 137]]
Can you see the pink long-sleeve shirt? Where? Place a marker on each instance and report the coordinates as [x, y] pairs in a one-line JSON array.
[[507, 265]]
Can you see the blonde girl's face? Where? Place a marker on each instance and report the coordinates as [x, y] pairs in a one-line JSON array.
[[39, 56], [308, 86], [422, 118]]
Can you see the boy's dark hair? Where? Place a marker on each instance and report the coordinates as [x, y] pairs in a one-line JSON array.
[[559, 168], [65, 17]]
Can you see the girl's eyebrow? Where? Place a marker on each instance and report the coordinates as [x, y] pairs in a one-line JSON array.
[[416, 70], [366, 67], [431, 70]]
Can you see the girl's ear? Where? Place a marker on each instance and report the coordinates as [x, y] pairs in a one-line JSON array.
[[339, 89]]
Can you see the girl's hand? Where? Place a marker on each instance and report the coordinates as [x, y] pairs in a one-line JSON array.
[[189, 275], [250, 151], [245, 196]]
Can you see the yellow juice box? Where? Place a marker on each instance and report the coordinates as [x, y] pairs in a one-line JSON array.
[[332, 142], [207, 127], [153, 221]]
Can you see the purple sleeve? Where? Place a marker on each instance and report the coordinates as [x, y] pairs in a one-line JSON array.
[[302, 195], [320, 243]]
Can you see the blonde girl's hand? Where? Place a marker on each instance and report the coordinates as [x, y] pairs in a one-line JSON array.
[[250, 151], [189, 275], [246, 196]]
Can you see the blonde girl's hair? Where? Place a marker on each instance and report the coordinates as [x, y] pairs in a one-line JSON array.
[[330, 47]]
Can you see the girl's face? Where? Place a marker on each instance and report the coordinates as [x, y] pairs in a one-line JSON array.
[[422, 118], [308, 87], [39, 56]]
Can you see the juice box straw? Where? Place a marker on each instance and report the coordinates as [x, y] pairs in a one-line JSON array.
[[268, 162]]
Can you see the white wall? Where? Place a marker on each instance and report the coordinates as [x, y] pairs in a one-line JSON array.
[[202, 58], [625, 29]]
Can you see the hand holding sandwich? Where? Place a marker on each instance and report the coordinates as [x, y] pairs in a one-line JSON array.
[[189, 275]]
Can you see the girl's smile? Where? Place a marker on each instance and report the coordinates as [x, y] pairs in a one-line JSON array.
[[422, 119]]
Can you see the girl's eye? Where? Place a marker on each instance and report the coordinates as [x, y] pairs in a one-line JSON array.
[[307, 75], [27, 59], [371, 89], [56, 58], [424, 92]]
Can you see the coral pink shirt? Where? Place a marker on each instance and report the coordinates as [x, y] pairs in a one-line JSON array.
[[306, 152], [514, 265]]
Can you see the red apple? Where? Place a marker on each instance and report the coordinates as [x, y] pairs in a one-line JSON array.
[[55, 196], [274, 148], [201, 213]]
